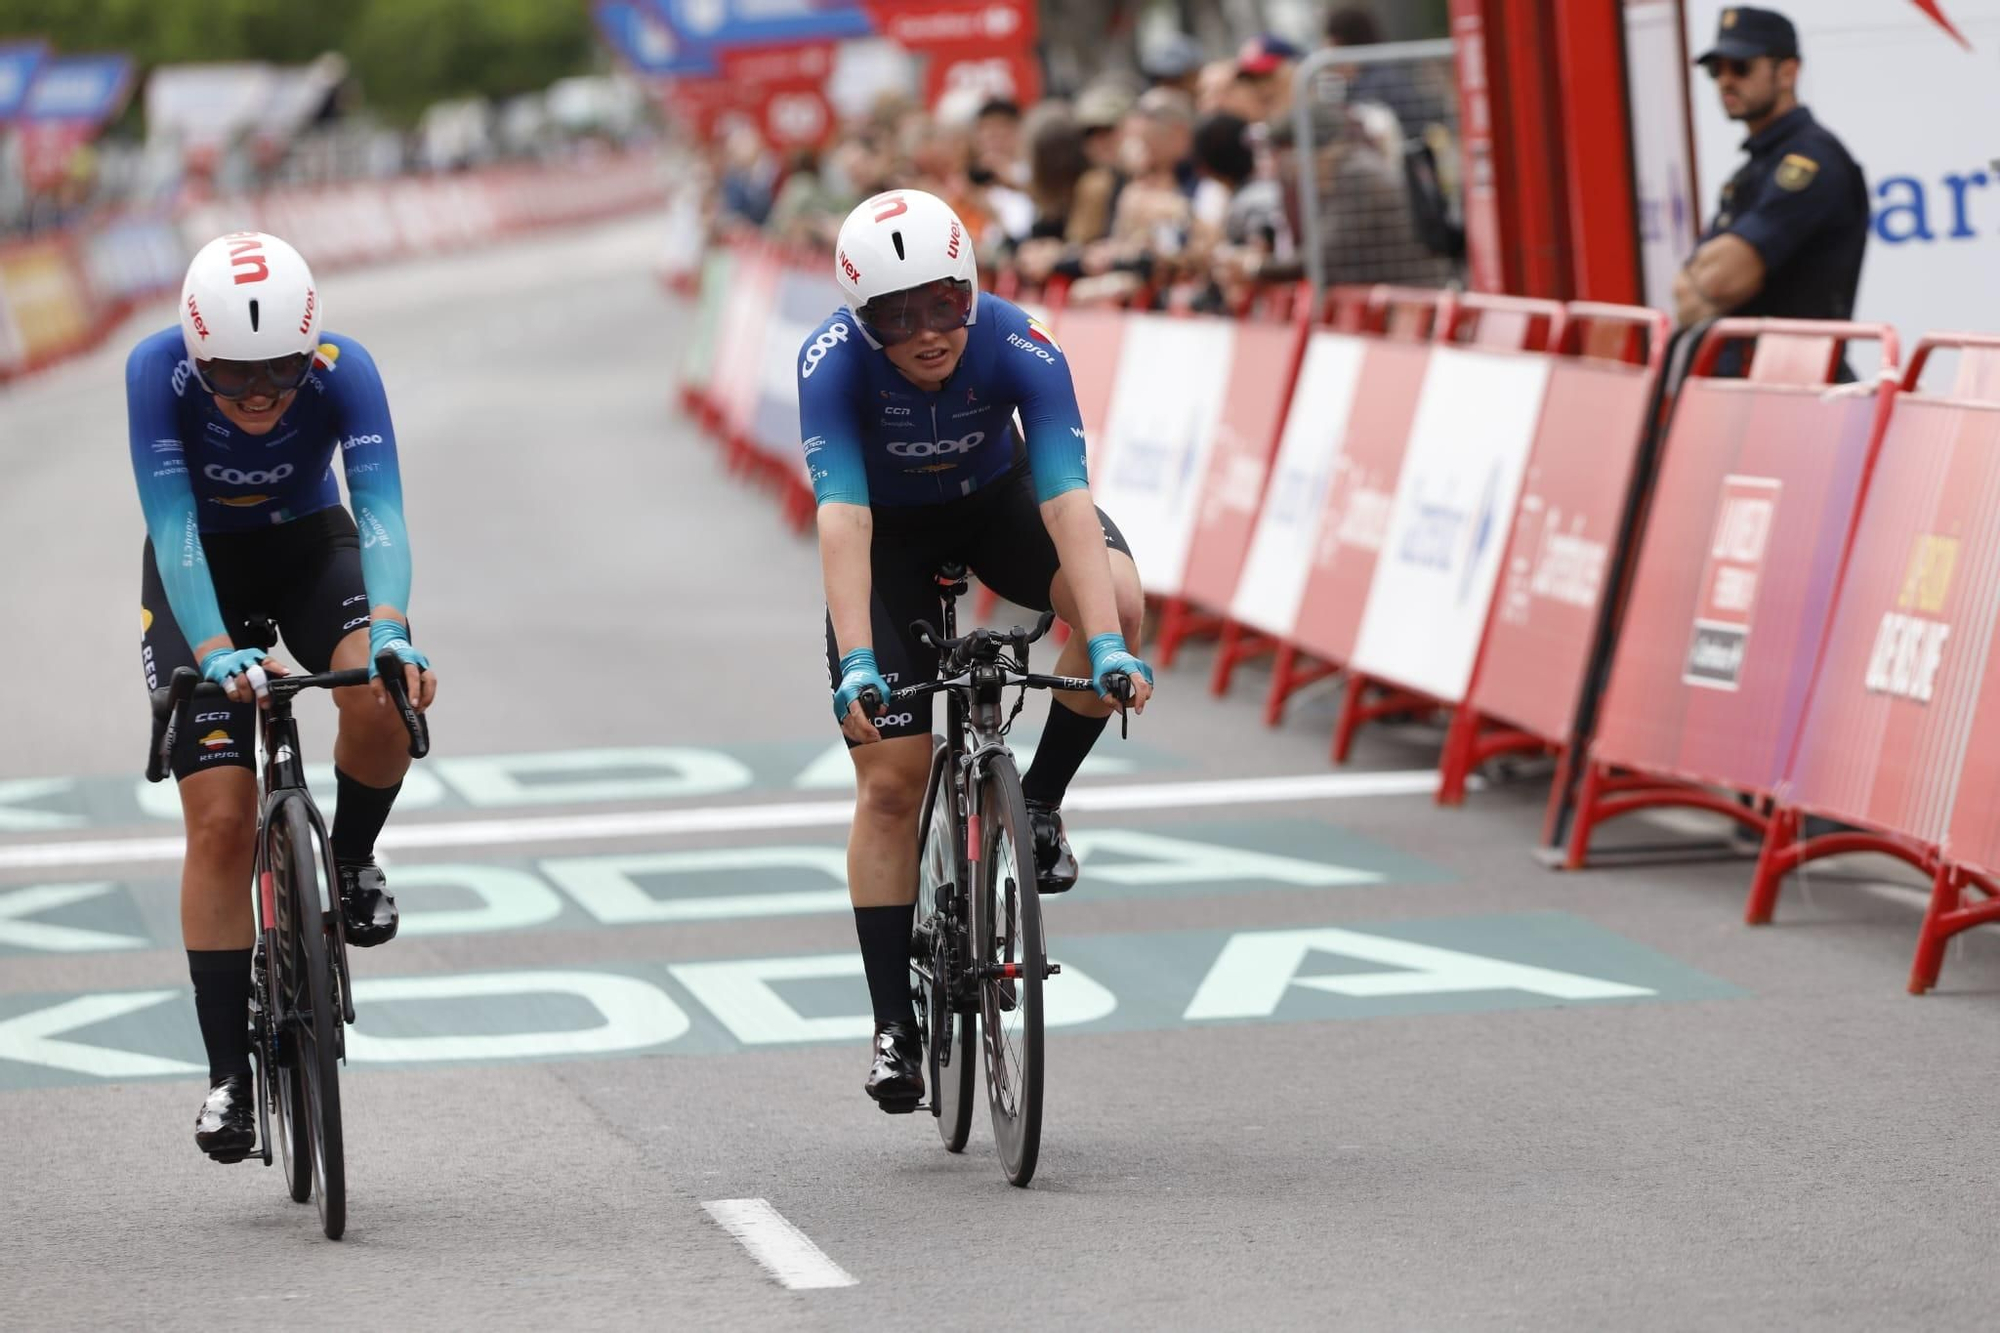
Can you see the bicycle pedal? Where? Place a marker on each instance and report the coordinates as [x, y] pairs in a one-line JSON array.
[[900, 1107], [230, 1159]]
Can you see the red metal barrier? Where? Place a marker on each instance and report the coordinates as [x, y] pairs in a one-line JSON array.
[[1752, 515], [1541, 632], [1356, 511], [1886, 728], [1496, 323]]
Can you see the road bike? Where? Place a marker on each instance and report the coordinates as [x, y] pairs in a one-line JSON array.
[[302, 996], [978, 951]]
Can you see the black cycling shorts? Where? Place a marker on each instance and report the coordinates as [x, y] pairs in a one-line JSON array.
[[304, 576], [997, 531]]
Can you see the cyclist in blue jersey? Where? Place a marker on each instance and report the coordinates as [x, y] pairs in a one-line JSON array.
[[235, 416], [907, 403]]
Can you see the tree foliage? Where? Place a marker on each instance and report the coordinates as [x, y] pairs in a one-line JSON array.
[[405, 54]]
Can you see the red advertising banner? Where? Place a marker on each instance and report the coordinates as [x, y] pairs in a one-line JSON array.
[[1359, 498], [1735, 580], [1246, 436], [1892, 716], [930, 25], [1010, 72], [1552, 582]]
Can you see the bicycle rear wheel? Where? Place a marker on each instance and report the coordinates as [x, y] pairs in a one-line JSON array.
[[951, 1052], [301, 878], [1011, 958]]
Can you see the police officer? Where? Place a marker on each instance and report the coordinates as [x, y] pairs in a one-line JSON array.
[[1788, 237]]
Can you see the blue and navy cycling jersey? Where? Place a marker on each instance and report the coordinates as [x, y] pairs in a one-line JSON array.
[[198, 473], [874, 438]]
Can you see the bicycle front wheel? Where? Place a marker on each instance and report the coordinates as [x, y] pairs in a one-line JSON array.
[[309, 888], [1011, 961], [938, 954]]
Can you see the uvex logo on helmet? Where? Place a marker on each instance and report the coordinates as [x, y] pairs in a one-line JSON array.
[[200, 325], [312, 298], [246, 257], [951, 246], [847, 267]]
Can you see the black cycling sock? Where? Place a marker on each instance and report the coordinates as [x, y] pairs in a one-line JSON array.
[[885, 956], [222, 1005], [1065, 744], [358, 815]]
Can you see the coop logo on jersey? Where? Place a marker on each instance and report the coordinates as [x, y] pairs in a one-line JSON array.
[[826, 342], [1730, 580], [1909, 644], [926, 449]]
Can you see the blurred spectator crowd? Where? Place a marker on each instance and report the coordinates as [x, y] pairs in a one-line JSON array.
[[1180, 188]]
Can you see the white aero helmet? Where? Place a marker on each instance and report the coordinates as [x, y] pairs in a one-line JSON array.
[[249, 315], [891, 246]]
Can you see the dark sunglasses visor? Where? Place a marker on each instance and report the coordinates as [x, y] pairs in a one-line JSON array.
[[243, 379], [1735, 69], [939, 307]]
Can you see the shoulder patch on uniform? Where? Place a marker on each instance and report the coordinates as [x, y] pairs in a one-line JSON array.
[[1796, 172], [327, 356], [1040, 332]]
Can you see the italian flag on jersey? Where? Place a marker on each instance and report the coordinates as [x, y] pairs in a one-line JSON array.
[[1040, 332]]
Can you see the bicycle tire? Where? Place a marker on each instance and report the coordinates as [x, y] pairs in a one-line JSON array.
[[284, 1085], [318, 1055], [950, 1064], [1007, 930]]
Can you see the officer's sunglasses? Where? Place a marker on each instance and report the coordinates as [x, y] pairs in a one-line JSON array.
[[937, 307], [1735, 69], [272, 378]]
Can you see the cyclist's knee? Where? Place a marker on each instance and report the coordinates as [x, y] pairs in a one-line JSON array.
[[363, 722], [220, 830], [890, 797]]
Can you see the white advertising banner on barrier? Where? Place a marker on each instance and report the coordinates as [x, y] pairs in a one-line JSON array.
[[1454, 507], [1274, 573], [1173, 376], [1912, 87]]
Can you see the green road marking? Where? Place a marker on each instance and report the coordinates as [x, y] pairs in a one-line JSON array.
[[1109, 983]]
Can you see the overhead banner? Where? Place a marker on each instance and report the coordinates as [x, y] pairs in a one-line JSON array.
[[726, 23], [1912, 88], [71, 99], [18, 61], [643, 39], [1453, 510]]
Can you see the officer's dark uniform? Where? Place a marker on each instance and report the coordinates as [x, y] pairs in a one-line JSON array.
[[1800, 201]]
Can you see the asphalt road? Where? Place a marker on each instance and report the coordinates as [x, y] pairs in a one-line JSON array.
[[1328, 1057]]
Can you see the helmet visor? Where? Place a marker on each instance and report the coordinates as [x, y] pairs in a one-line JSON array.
[[939, 307], [246, 379]]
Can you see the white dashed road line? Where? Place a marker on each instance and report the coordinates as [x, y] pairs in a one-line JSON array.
[[786, 1252]]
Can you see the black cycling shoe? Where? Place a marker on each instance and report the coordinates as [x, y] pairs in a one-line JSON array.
[[1055, 863], [226, 1129], [365, 904], [896, 1079]]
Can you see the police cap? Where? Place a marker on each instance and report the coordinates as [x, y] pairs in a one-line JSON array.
[[1744, 33]]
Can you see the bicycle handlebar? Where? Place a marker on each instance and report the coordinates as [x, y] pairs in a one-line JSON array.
[[172, 704]]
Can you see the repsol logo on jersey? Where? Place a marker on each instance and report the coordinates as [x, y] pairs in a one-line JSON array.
[[926, 449], [230, 476], [821, 345], [1016, 340]]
